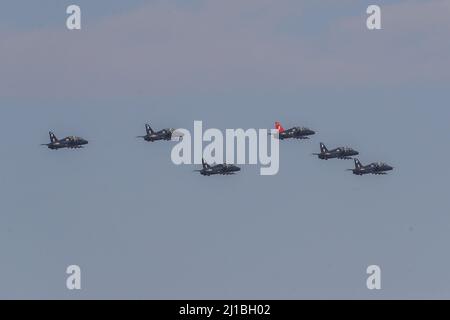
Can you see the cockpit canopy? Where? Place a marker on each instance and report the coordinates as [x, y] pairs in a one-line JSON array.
[[72, 138]]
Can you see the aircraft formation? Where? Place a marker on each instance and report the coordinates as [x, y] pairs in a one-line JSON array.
[[345, 153]]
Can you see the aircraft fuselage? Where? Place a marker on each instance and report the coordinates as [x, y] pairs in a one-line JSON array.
[[296, 133]]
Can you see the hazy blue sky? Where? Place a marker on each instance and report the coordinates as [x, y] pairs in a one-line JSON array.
[[141, 227]]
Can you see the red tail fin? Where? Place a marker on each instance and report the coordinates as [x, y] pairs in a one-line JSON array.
[[279, 127]]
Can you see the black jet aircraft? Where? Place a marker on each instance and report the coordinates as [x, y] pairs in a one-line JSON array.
[[224, 169], [70, 142], [164, 134], [339, 153], [373, 168], [295, 133]]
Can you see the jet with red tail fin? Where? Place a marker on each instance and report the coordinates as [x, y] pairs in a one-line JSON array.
[[293, 133]]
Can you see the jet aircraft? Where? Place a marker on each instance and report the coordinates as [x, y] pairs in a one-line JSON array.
[[223, 169], [295, 133], [373, 168], [164, 134], [70, 142], [339, 153]]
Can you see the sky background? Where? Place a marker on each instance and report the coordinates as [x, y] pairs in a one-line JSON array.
[[141, 227]]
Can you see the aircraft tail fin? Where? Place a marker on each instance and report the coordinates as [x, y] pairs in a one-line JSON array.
[[323, 148], [205, 165], [148, 129], [357, 164], [52, 137], [279, 127]]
